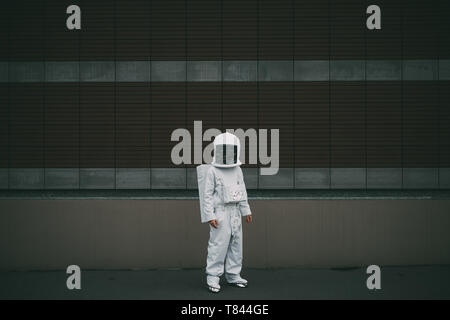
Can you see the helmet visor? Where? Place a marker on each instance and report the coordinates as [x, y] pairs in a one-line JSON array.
[[226, 154]]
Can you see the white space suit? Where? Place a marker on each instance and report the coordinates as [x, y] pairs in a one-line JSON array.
[[223, 197]]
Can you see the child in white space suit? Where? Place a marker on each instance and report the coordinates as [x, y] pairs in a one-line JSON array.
[[223, 201]]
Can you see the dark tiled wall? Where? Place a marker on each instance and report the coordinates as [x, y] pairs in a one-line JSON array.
[[355, 108], [216, 29]]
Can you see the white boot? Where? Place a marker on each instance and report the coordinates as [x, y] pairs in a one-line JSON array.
[[213, 283], [236, 280]]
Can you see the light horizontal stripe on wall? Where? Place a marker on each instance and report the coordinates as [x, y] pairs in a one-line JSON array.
[[186, 178], [228, 71]]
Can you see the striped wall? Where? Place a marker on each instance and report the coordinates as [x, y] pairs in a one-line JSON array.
[[94, 108]]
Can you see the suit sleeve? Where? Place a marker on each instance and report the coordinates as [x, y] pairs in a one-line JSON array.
[[208, 200], [244, 207]]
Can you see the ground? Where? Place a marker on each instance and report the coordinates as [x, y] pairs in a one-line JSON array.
[[418, 282]]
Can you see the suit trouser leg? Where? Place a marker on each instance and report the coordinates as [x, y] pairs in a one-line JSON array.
[[233, 260], [219, 240]]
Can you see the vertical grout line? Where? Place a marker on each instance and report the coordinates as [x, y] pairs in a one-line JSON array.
[[44, 89], [329, 94], [115, 91], [258, 168], [365, 99], [293, 93], [266, 229], [79, 107], [438, 42], [221, 66], [9, 100], [150, 90], [266, 244], [185, 77], [402, 92]]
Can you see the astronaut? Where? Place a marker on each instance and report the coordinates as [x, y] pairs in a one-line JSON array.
[[223, 202]]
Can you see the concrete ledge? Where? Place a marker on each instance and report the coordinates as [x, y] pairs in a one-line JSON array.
[[444, 69], [312, 178], [58, 71], [97, 178], [133, 71], [133, 178], [347, 70], [192, 182], [4, 178], [168, 178], [284, 179], [348, 178], [181, 178], [384, 70], [26, 178], [62, 178], [312, 70], [444, 178], [97, 71], [168, 71], [275, 70], [26, 71], [4, 71], [420, 178], [233, 70], [384, 178], [204, 71], [239, 71], [420, 70], [250, 177]]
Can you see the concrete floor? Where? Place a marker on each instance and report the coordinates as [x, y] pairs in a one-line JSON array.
[[419, 282]]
